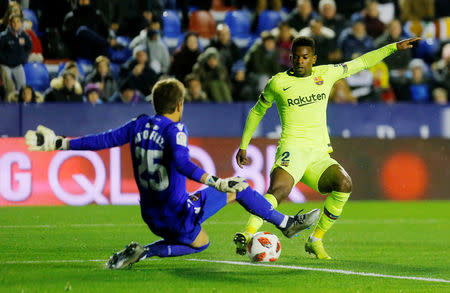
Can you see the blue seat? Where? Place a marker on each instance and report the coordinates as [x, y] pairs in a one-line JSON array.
[[115, 69], [171, 24], [29, 14], [37, 76], [123, 41], [239, 23], [268, 19]]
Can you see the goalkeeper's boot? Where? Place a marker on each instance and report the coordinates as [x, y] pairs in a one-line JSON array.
[[300, 222], [316, 248], [241, 241], [126, 257]]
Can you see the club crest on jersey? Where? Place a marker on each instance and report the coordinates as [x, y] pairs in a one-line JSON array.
[[182, 139], [318, 80]]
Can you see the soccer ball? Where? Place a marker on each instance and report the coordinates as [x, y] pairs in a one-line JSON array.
[[264, 247]]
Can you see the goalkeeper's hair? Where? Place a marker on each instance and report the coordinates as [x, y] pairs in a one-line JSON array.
[[304, 41], [166, 94]]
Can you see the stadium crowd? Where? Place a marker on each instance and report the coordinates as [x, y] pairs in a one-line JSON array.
[[102, 51]]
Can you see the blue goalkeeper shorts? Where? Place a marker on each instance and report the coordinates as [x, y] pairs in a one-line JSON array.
[[199, 207]]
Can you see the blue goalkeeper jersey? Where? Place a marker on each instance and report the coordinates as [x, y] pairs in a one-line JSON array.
[[161, 163]]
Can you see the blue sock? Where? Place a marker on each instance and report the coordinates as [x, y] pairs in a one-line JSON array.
[[256, 204], [163, 248]]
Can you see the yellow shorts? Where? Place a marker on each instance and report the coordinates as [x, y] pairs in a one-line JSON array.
[[304, 164]]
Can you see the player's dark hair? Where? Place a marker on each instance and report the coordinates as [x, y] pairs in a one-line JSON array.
[[303, 41], [167, 93]]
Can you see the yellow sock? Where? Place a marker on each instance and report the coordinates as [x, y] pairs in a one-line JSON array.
[[331, 212], [255, 222]]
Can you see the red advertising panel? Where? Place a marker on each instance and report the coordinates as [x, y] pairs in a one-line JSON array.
[[393, 169]]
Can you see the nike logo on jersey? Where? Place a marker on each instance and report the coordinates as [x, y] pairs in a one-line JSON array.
[[303, 101], [286, 88]]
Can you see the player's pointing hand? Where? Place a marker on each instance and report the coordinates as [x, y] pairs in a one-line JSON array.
[[406, 44], [241, 158]]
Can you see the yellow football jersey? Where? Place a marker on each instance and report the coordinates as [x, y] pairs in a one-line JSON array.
[[302, 104]]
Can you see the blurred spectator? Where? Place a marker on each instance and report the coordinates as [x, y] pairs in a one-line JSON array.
[[323, 37], [440, 96], [185, 57], [86, 32], [284, 35], [64, 91], [15, 47], [7, 86], [341, 93], [36, 46], [242, 89], [441, 68], [362, 86], [26, 95], [401, 59], [135, 15], [356, 42], [258, 6], [331, 19], [103, 78], [213, 76], [72, 67], [261, 61], [229, 52], [374, 26], [381, 84], [194, 91], [347, 8], [302, 15], [92, 94], [156, 49], [127, 94], [417, 9], [418, 86], [138, 72]]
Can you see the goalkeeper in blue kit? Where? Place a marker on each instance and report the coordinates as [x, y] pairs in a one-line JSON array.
[[161, 163]]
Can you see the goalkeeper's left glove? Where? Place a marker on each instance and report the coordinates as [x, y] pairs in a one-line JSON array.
[[45, 139], [231, 184]]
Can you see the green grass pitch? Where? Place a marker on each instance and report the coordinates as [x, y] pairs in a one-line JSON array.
[[57, 249]]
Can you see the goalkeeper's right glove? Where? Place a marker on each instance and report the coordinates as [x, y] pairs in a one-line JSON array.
[[231, 184], [45, 139]]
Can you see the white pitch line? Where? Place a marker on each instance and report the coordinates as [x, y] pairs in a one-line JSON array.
[[322, 270], [300, 268], [341, 222]]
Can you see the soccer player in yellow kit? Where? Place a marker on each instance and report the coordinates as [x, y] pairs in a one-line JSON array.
[[301, 95]]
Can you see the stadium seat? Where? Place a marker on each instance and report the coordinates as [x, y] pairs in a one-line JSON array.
[[86, 64], [37, 76], [115, 69], [29, 15], [123, 41], [171, 29], [239, 23], [427, 49], [268, 19], [171, 24], [203, 23]]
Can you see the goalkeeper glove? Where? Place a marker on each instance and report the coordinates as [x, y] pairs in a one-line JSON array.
[[231, 184], [45, 139]]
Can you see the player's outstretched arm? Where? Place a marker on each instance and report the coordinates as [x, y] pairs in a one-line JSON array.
[[231, 184], [406, 44], [373, 57], [45, 139]]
